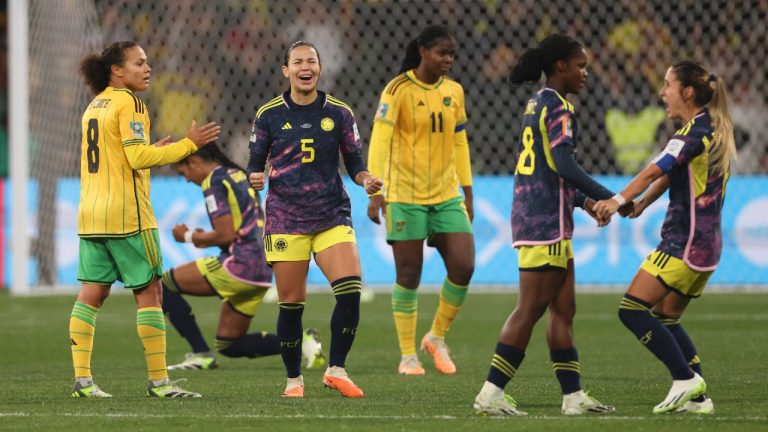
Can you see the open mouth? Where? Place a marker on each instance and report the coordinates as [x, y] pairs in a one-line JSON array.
[[306, 78]]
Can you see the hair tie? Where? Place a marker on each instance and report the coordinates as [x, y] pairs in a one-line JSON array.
[[712, 78]]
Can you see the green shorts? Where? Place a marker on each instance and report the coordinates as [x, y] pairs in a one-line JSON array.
[[419, 222], [135, 261]]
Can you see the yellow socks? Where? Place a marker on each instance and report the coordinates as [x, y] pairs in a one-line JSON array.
[[451, 298], [82, 326], [404, 307], [150, 324]]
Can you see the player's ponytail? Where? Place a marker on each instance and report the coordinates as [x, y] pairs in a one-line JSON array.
[[96, 69], [534, 61], [426, 39], [709, 91]]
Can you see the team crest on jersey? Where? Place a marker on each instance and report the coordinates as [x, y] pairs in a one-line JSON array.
[[327, 124], [138, 129], [447, 101], [382, 111]]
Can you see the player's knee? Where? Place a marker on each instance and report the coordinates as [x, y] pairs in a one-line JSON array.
[[168, 282]]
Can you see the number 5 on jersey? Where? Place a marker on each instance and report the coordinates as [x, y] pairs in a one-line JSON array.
[[527, 161], [306, 147]]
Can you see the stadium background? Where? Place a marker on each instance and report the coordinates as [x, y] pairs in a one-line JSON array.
[[220, 60]]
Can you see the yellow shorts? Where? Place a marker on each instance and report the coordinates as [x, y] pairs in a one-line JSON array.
[[242, 296], [542, 257], [299, 247], [675, 274]]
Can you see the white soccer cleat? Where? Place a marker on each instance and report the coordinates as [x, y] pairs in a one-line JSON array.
[[681, 392], [581, 402], [492, 401], [196, 361], [312, 349], [704, 407]]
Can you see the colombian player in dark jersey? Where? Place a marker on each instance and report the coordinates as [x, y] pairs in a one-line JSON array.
[[695, 168], [301, 133], [116, 224], [548, 183], [239, 275]]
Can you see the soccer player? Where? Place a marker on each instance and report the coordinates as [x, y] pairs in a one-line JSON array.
[[695, 168], [548, 184], [116, 225], [239, 275], [419, 148], [308, 210]]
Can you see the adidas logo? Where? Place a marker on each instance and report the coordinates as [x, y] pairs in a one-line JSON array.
[[287, 126], [421, 103]]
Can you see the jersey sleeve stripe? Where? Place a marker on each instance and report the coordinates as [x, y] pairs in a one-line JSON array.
[[460, 127], [132, 142], [340, 104]]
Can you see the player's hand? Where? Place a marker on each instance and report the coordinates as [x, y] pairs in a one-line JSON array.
[[203, 135], [163, 142], [377, 204], [178, 232], [606, 208], [469, 204], [589, 204], [372, 184], [627, 209], [638, 207], [256, 180]]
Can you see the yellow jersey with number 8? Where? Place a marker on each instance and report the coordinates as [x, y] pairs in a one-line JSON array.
[[114, 198]]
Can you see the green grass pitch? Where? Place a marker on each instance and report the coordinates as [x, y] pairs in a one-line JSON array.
[[730, 330]]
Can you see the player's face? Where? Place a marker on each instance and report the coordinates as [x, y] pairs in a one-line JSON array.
[[576, 72], [439, 58], [191, 170], [303, 69], [134, 72], [672, 95]]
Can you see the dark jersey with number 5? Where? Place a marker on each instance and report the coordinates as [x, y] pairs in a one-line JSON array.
[[302, 144], [542, 208]]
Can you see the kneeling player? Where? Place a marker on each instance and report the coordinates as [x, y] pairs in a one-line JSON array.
[[239, 275]]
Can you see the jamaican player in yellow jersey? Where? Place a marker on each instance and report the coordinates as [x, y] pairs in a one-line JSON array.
[[694, 167], [548, 184], [116, 225], [419, 148]]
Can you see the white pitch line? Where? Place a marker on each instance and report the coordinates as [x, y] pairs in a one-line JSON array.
[[390, 417]]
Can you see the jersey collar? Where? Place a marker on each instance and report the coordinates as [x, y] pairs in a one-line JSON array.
[[317, 104], [412, 76]]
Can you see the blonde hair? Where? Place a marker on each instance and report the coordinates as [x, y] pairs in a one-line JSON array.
[[710, 92]]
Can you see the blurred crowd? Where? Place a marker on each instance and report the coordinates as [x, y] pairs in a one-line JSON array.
[[220, 60]]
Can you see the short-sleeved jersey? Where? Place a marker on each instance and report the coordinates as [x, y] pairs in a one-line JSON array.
[[114, 198], [542, 208], [227, 192], [691, 229], [417, 133], [303, 142]]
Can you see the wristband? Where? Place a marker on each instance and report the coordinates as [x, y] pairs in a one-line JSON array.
[[619, 198], [188, 236]]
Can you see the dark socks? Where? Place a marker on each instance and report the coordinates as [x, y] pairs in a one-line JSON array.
[[506, 360], [250, 345], [289, 333], [345, 318], [181, 317], [565, 362]]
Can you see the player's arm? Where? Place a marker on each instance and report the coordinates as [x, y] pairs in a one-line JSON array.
[[217, 204], [222, 235], [678, 152], [573, 173], [461, 151], [378, 151], [383, 130], [650, 196], [140, 155], [350, 148], [258, 146]]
